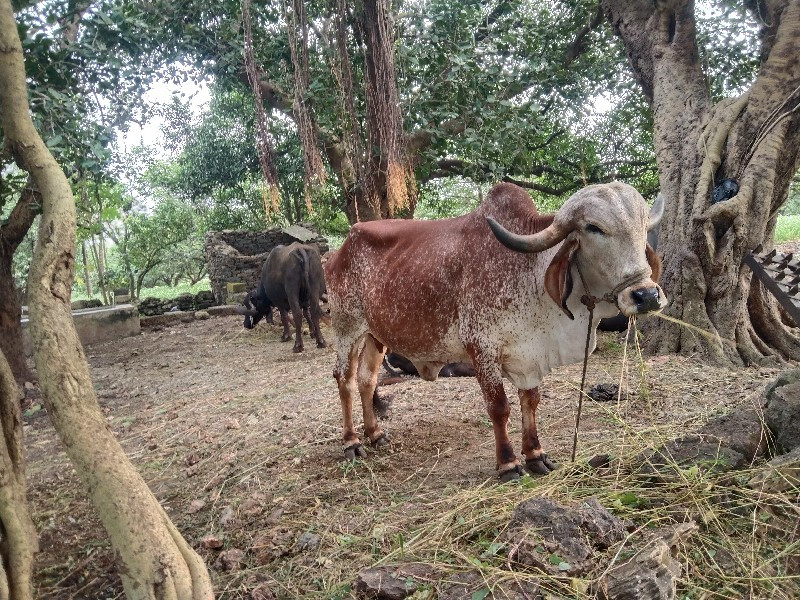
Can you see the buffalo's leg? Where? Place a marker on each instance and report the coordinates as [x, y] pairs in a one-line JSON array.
[[316, 315], [368, 367], [297, 315], [345, 375], [536, 461], [286, 335], [487, 372]]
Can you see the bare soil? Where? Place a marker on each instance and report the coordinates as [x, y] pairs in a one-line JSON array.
[[239, 438]]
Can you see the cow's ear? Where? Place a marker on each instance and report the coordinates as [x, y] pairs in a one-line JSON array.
[[558, 278], [655, 263]]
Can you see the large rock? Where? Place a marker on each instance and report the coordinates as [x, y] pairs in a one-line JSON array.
[[782, 410], [780, 475], [742, 430], [651, 574], [561, 540], [691, 451]]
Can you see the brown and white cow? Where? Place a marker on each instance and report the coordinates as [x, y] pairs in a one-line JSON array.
[[500, 287]]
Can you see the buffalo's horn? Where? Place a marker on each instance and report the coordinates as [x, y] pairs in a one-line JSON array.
[[656, 212], [536, 242]]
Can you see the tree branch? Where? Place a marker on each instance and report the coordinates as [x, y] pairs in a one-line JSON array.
[[482, 32], [22, 215], [578, 45]]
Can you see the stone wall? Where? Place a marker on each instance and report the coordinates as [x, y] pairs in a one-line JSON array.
[[237, 256], [185, 302]]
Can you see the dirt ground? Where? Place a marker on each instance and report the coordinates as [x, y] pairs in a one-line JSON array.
[[239, 438]]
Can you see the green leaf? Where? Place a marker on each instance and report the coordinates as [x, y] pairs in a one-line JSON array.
[[481, 593]]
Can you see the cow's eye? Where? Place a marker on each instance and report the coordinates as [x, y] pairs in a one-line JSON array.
[[591, 228]]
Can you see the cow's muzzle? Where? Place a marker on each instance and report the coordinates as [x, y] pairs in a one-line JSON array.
[[641, 299], [646, 299]]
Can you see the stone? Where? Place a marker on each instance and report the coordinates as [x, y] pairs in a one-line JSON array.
[[307, 541], [235, 287], [196, 506], [211, 542], [651, 574], [782, 414], [691, 451], [187, 318], [228, 518], [201, 315], [780, 475], [743, 430], [230, 560], [122, 299], [561, 540], [391, 583]]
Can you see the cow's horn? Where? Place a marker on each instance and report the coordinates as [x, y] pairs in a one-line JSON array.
[[246, 312], [656, 212], [536, 242]]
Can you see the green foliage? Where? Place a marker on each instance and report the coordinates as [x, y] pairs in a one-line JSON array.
[[787, 228]]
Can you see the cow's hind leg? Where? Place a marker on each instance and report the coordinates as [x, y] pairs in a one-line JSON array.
[[345, 375], [369, 365], [487, 372], [536, 461]]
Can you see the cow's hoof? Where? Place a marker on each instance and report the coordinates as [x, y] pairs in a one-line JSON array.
[[297, 349], [355, 451], [286, 338], [511, 474], [540, 466], [322, 345], [382, 440]]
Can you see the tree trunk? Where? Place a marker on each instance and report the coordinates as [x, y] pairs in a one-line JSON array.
[[10, 314], [753, 139], [86, 269], [154, 560], [101, 272], [19, 535], [11, 235]]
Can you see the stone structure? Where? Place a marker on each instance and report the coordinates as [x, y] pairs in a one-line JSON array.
[[95, 325], [185, 302], [237, 256]]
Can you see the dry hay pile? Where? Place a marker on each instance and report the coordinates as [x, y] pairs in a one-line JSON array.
[[240, 441]]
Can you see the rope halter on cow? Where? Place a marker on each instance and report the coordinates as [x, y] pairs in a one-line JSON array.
[[590, 302]]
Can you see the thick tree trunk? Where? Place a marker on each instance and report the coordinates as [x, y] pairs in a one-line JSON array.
[[154, 560], [753, 139], [19, 543]]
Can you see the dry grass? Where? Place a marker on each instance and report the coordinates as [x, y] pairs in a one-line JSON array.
[[210, 412]]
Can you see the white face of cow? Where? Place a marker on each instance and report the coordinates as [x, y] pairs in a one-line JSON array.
[[611, 222], [604, 230]]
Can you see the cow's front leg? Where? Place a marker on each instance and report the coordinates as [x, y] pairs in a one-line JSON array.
[[369, 365], [286, 335], [487, 372], [536, 461], [345, 375]]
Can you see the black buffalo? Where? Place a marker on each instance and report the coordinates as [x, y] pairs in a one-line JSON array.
[[291, 279]]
